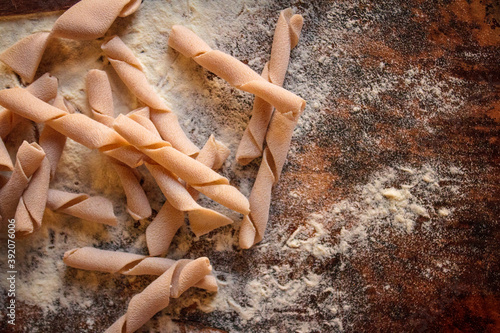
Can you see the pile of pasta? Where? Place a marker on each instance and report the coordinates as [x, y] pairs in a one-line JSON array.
[[150, 136]]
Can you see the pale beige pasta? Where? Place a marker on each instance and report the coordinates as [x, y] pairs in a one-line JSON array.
[[93, 259], [286, 37], [181, 276], [101, 103], [5, 160], [86, 20], [234, 71], [78, 127], [51, 140], [130, 71], [31, 207], [195, 173], [45, 88], [278, 138], [202, 220], [95, 209], [28, 159]]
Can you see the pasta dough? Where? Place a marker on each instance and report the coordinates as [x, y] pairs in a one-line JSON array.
[[130, 71], [94, 209], [234, 71], [87, 19], [101, 102], [160, 232], [28, 159], [93, 259], [181, 276], [195, 173], [31, 207], [286, 37], [78, 127]]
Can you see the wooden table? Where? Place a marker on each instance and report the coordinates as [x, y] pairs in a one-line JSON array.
[[364, 127]]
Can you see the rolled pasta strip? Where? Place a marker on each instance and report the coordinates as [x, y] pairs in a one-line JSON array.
[[31, 207], [45, 88], [86, 20], [203, 220], [234, 71], [28, 159], [286, 37], [78, 127], [51, 140], [195, 173], [278, 140], [5, 161], [95, 209], [181, 276], [130, 71], [93, 259], [101, 103]]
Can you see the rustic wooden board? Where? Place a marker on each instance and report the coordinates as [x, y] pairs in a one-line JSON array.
[[455, 40]]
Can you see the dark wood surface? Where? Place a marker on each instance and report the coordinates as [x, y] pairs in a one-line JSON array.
[[455, 39], [21, 7]]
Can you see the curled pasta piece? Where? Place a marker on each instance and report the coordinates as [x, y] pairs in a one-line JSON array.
[[51, 140], [278, 138], [101, 103], [45, 88], [286, 37], [78, 127], [31, 207], [95, 209], [93, 259], [181, 276], [130, 71], [234, 71], [195, 173], [86, 20], [28, 159], [5, 161]]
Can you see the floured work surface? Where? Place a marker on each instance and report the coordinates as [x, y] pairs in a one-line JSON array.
[[386, 214]]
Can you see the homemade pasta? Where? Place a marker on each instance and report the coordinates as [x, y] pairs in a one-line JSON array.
[[130, 71], [86, 20], [101, 103], [181, 276], [234, 71], [286, 37], [93, 259], [94, 209]]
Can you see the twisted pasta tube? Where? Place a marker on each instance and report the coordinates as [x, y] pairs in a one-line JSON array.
[[51, 140], [161, 231], [101, 103], [195, 173], [86, 20], [31, 207], [286, 37], [78, 127], [93, 259], [181, 276], [28, 159], [278, 138], [130, 71], [95, 209], [44, 88], [234, 71]]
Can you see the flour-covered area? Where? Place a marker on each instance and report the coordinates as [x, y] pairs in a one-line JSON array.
[[379, 218]]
